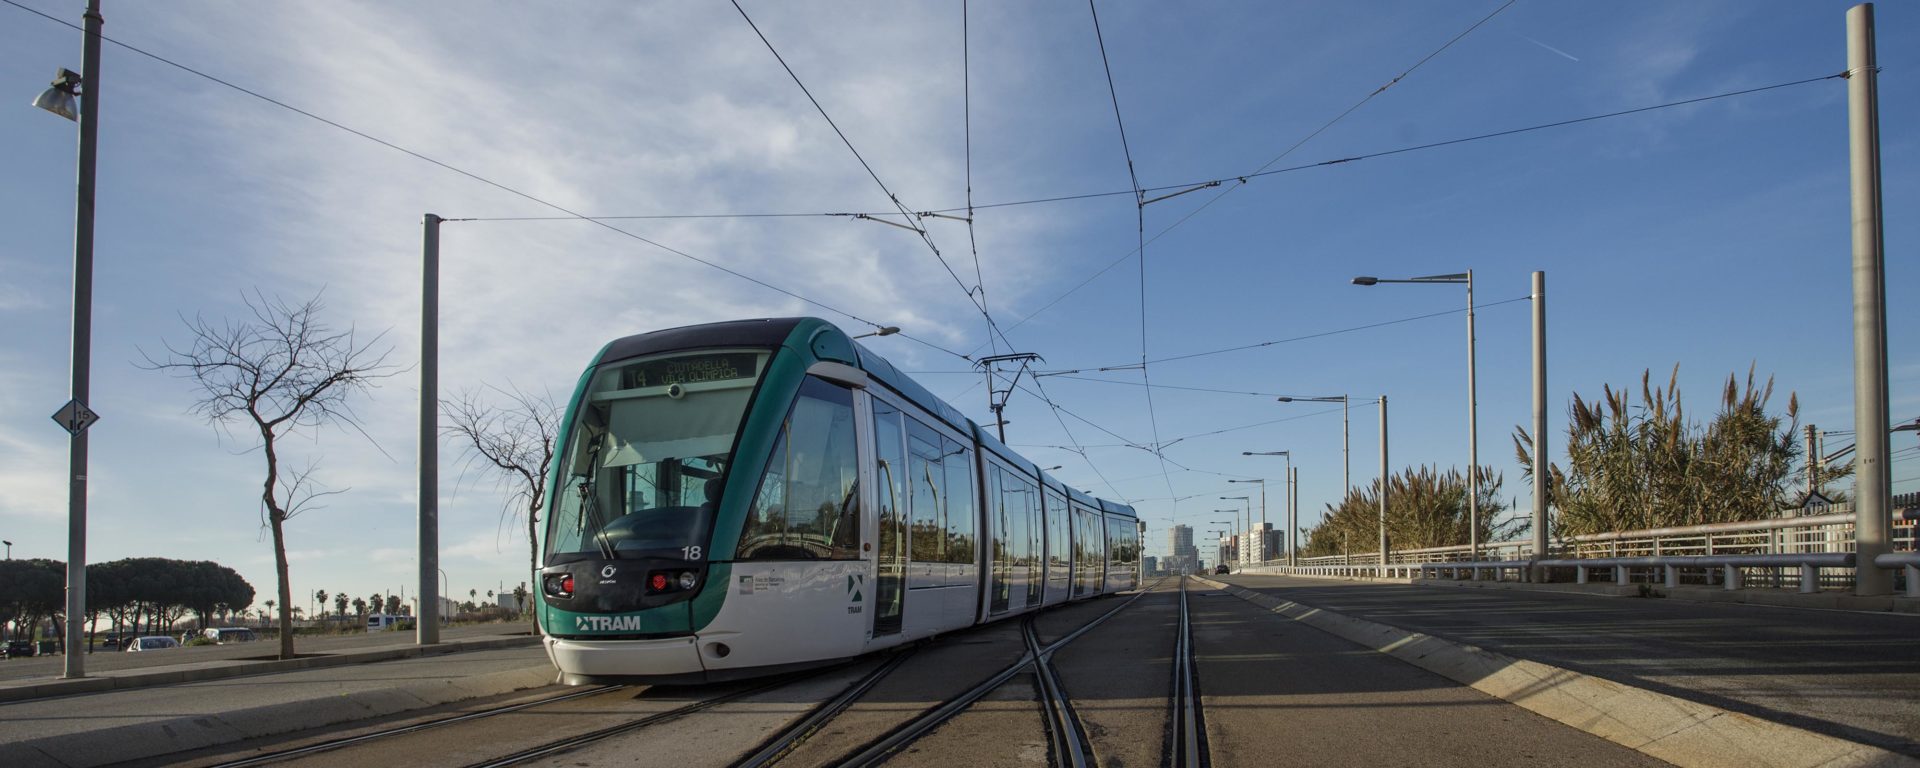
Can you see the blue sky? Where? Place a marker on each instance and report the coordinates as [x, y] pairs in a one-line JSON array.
[[1714, 235]]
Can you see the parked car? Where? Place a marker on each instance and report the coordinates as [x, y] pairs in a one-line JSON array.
[[1221, 569], [224, 635], [19, 648], [110, 641], [152, 643]]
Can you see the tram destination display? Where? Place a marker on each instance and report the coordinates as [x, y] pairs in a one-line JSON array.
[[691, 369]]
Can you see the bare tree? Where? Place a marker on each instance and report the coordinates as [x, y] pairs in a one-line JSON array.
[[516, 441], [273, 373]]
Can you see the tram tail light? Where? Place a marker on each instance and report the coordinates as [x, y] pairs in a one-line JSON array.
[[657, 582]]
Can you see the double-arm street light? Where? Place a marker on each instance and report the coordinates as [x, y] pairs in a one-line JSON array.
[[1473, 415]]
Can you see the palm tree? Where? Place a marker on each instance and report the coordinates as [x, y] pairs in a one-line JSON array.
[[340, 604], [360, 607], [270, 605], [321, 595]]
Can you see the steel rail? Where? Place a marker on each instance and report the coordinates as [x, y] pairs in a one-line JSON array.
[[793, 736], [328, 746], [1189, 745], [884, 747], [1063, 723]]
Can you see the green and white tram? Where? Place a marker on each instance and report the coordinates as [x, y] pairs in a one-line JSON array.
[[747, 497]]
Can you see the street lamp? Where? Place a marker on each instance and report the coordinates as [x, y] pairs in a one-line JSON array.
[[1249, 528], [1293, 496], [1346, 459], [884, 331], [9, 549], [1263, 514], [75, 415], [1473, 409], [1230, 524]]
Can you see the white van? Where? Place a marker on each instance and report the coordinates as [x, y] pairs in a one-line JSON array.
[[382, 621], [225, 635]]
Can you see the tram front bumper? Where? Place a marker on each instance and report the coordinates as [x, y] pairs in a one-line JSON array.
[[665, 660]]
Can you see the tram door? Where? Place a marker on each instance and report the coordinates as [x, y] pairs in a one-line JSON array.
[[889, 450]]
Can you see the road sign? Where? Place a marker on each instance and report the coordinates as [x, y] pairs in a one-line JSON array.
[[75, 417]]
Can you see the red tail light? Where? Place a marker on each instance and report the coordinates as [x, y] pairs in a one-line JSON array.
[[566, 585], [658, 582]]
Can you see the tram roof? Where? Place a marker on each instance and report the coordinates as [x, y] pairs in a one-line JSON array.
[[780, 331]]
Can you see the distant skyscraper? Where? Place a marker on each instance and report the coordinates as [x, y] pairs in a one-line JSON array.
[[1185, 557]]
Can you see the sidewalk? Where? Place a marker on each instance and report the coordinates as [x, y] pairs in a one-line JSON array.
[[128, 714]]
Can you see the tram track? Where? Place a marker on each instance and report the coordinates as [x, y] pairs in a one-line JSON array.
[[1068, 736], [387, 733], [1188, 746]]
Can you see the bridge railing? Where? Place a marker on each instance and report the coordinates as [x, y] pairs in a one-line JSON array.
[[1808, 552]]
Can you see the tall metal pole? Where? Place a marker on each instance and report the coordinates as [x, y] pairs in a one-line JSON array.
[[1293, 520], [1346, 458], [427, 627], [89, 119], [1264, 555], [1540, 478], [1473, 437], [1383, 485], [1873, 488]]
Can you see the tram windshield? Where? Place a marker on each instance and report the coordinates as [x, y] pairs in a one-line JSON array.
[[647, 455]]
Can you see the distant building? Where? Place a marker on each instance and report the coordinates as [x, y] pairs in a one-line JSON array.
[[1185, 557], [1150, 565]]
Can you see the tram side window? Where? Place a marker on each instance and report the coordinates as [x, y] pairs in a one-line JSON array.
[[962, 516], [808, 505], [927, 523], [999, 511]]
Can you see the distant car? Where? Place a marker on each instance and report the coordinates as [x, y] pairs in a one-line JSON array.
[[19, 648], [153, 643], [225, 635], [1221, 569], [111, 641]]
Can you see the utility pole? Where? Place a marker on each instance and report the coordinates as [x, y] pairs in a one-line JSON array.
[[1293, 519], [1813, 461], [1541, 478], [426, 627], [1383, 486], [1873, 487]]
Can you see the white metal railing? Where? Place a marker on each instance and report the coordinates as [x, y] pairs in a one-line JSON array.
[[1809, 552]]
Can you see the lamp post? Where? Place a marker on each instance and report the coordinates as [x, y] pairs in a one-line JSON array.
[[1249, 528], [1263, 514], [884, 331], [1473, 408], [9, 549], [1292, 495], [1230, 524], [76, 416], [1346, 458]]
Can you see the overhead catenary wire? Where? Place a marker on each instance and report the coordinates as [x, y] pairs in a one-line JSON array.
[[992, 328], [1140, 236], [570, 214]]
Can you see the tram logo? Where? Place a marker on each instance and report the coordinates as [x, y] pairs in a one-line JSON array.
[[607, 572], [606, 623]]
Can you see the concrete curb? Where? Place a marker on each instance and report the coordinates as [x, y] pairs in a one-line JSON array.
[[1682, 732], [145, 740], [217, 670]]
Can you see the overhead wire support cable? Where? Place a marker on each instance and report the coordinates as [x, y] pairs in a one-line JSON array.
[[570, 214], [1140, 234], [925, 237]]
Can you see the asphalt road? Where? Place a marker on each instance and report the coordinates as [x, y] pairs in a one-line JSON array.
[[1853, 675]]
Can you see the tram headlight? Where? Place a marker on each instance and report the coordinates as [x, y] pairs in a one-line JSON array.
[[688, 580], [559, 585]]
